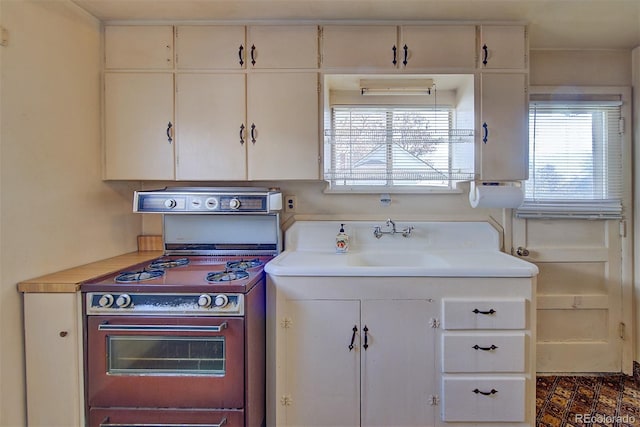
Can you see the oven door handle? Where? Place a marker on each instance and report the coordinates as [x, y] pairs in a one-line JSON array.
[[162, 328], [106, 423]]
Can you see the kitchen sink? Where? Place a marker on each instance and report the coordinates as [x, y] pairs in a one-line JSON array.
[[395, 259]]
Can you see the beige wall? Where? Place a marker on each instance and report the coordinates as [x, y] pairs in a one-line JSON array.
[[55, 211]]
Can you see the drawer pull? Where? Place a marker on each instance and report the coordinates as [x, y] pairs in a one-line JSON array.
[[477, 347], [485, 393], [476, 311]]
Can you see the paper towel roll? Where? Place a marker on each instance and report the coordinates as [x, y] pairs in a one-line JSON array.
[[495, 196]]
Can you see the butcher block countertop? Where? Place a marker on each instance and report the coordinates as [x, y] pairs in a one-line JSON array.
[[149, 247]]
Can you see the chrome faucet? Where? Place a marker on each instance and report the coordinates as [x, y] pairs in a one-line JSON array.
[[377, 231]]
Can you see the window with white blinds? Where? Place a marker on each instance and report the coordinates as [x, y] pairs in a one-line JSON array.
[[575, 159], [393, 146]]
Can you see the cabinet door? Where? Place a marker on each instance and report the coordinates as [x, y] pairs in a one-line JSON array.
[[282, 46], [438, 47], [360, 46], [504, 145], [139, 126], [322, 373], [214, 47], [211, 143], [502, 47], [282, 118], [53, 348], [398, 365], [139, 47]]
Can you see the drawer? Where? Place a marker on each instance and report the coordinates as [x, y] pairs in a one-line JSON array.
[[483, 352], [486, 399], [484, 313]]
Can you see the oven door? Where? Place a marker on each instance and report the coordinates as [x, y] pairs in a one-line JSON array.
[[175, 362]]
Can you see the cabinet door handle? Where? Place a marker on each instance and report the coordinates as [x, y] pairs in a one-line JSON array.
[[366, 337], [353, 337], [485, 54], [485, 393], [491, 311], [253, 50], [477, 347], [406, 55], [169, 138], [485, 135], [240, 55], [395, 54], [253, 133], [242, 134]]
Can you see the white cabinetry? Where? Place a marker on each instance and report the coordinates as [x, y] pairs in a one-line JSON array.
[[139, 47], [503, 47], [357, 362], [387, 47], [139, 125], [231, 124], [53, 348]]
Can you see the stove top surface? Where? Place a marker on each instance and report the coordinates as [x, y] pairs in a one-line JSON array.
[[185, 274]]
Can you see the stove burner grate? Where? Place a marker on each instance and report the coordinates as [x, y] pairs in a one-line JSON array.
[[244, 264], [226, 276], [138, 276], [168, 263]]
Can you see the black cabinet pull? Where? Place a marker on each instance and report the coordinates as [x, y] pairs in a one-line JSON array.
[[366, 337], [485, 135], [242, 134], [253, 50], [395, 54], [485, 54], [253, 133], [353, 337], [476, 311], [240, 55], [477, 347], [485, 393], [169, 138], [406, 55]]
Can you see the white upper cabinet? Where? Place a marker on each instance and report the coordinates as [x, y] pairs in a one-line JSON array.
[[139, 126], [504, 148], [210, 47], [225, 47], [282, 46], [283, 126], [210, 112], [503, 47], [139, 47], [437, 47], [360, 47]]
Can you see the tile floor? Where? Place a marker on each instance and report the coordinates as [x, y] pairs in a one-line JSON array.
[[602, 400]]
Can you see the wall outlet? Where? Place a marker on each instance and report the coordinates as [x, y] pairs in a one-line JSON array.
[[290, 203]]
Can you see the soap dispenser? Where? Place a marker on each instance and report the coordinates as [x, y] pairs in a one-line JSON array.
[[342, 241]]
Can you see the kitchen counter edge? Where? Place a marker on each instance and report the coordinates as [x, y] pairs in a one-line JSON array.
[[69, 280]]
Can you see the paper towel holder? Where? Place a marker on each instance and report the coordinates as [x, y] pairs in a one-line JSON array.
[[512, 190]]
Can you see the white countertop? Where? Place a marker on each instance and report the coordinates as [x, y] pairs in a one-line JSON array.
[[433, 249]]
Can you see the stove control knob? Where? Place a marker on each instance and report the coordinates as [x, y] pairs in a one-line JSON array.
[[170, 203], [105, 301], [220, 301], [123, 301], [234, 203], [204, 301], [211, 203]]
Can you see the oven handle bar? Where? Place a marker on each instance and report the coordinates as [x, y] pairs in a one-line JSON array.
[[105, 423], [162, 328]]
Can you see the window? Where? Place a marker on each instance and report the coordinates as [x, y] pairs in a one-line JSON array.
[[396, 147], [575, 158]]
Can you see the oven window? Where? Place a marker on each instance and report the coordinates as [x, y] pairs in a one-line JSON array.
[[165, 355]]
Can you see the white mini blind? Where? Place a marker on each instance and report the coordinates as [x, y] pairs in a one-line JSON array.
[[575, 159], [396, 146]]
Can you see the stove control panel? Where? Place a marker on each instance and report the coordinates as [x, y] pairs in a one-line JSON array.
[[209, 201], [164, 304]]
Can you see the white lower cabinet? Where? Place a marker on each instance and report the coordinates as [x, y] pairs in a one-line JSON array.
[[358, 362], [401, 351]]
